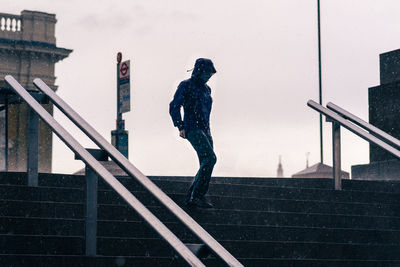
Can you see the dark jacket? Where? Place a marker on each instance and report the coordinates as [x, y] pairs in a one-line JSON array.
[[195, 97]]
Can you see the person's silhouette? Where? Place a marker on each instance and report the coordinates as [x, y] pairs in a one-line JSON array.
[[194, 95]]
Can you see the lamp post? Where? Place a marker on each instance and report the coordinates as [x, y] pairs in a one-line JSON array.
[[320, 84]]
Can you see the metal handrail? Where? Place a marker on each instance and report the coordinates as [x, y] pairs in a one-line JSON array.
[[351, 127], [365, 125], [356, 126], [131, 170], [132, 201]]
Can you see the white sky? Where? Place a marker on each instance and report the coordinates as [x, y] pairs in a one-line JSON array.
[[266, 56]]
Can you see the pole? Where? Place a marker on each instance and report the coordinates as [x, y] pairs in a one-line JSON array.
[[119, 114], [33, 148], [6, 135], [115, 133], [337, 173], [320, 83], [91, 211], [119, 136]]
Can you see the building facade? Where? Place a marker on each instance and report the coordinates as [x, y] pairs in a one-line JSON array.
[[27, 51]]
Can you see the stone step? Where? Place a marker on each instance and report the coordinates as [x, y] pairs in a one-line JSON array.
[[110, 261], [138, 229], [41, 226], [223, 202], [29, 209], [303, 250], [279, 192], [75, 245], [257, 249], [61, 194], [39, 244], [53, 194], [62, 180], [321, 183], [45, 179], [277, 205], [82, 261], [255, 233], [19, 208]]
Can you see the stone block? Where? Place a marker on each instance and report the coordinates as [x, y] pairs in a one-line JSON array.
[[382, 170], [390, 66], [384, 113]]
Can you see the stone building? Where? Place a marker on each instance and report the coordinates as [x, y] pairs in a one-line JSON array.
[[27, 50], [384, 113]]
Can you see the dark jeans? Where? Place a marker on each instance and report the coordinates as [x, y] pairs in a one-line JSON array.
[[203, 144]]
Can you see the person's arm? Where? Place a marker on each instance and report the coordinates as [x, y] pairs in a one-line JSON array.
[[175, 110], [182, 134]]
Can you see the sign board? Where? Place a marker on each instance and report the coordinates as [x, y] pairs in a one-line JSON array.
[[124, 87], [124, 70]]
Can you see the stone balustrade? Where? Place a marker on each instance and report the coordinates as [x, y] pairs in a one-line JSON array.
[[30, 26], [10, 23], [10, 26]]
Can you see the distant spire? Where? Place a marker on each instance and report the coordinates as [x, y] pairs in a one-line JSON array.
[[280, 169], [307, 156]]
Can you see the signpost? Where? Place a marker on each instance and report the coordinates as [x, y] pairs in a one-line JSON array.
[[119, 137], [124, 87]]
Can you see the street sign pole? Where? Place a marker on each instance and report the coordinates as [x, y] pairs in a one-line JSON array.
[[119, 114], [119, 137]]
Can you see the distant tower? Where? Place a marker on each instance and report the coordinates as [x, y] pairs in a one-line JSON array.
[[27, 50], [279, 172]]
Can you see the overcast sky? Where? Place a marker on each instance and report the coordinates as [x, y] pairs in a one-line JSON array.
[[266, 56]]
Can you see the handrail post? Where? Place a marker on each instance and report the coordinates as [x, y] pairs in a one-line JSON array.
[[91, 211], [6, 134], [33, 148], [32, 162], [337, 172], [91, 202]]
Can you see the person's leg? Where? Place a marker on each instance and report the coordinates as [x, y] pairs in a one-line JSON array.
[[208, 169], [189, 194], [203, 145]]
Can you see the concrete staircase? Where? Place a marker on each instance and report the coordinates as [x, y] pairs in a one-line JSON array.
[[261, 221]]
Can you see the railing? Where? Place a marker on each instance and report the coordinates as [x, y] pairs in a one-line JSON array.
[[363, 124], [91, 162], [10, 23], [340, 117]]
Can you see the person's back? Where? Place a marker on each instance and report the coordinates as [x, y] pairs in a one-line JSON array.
[[194, 95]]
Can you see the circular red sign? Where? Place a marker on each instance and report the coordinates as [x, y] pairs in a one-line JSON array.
[[124, 69], [119, 57]]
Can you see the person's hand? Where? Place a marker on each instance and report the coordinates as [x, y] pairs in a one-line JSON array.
[[182, 134]]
